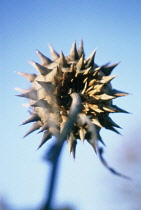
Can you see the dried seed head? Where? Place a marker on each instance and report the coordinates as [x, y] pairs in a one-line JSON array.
[[51, 96]]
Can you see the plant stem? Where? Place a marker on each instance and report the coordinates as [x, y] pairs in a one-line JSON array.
[[54, 153], [53, 176]]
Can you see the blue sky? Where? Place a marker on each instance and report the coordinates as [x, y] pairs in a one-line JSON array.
[[111, 26]]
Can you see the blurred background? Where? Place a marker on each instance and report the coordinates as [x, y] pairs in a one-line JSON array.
[[114, 28]]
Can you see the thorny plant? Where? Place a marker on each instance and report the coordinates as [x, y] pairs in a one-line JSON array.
[[71, 98]]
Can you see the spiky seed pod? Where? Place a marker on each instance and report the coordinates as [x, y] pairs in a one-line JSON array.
[[50, 96]]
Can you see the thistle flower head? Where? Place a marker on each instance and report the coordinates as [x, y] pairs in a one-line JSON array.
[[50, 96]]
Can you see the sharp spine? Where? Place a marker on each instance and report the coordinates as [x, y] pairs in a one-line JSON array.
[[34, 127], [82, 133], [119, 109], [54, 54], [42, 69], [46, 136], [45, 60], [107, 79], [29, 77], [108, 69], [118, 93], [80, 64], [63, 61], [32, 118], [90, 60], [74, 149], [81, 49], [32, 94], [73, 53]]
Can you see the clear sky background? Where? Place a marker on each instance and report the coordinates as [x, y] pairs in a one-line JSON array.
[[114, 28]]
